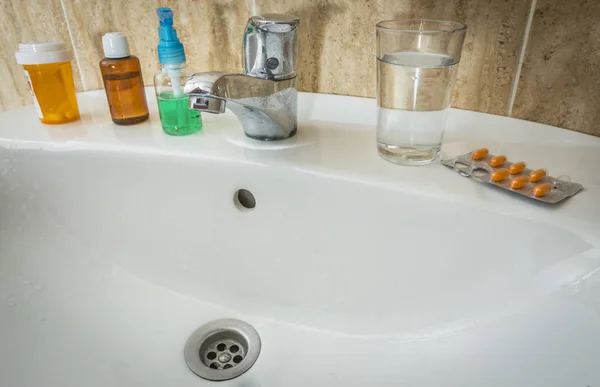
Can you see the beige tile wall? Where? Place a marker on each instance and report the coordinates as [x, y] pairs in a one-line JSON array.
[[337, 44], [211, 31], [553, 80], [560, 79]]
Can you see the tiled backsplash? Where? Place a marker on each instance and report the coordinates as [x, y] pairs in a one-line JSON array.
[[541, 66]]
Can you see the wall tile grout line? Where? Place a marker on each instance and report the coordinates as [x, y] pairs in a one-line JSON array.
[[64, 9], [515, 84]]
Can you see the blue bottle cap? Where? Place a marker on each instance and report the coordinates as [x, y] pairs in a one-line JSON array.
[[170, 49]]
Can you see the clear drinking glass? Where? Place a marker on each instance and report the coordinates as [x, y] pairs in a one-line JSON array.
[[417, 61]]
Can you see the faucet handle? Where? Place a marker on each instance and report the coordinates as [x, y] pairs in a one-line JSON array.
[[271, 46]]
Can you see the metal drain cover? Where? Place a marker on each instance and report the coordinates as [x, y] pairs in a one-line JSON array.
[[222, 349]]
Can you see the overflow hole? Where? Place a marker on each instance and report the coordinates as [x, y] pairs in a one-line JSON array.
[[244, 200]]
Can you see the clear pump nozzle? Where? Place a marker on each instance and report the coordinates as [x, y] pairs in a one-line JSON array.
[[170, 49]]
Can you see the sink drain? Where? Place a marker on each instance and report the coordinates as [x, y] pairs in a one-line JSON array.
[[222, 349]]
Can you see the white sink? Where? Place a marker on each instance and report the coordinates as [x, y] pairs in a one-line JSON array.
[[116, 243]]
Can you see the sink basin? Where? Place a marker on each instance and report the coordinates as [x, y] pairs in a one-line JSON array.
[[116, 243]]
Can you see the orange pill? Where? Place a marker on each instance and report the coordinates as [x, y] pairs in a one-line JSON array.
[[516, 168], [537, 175], [542, 190], [499, 175], [519, 182], [497, 161], [479, 154]]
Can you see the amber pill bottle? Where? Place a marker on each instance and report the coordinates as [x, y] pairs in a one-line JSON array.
[[123, 82], [49, 76]]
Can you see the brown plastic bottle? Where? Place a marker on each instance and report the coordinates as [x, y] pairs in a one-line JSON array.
[[123, 82]]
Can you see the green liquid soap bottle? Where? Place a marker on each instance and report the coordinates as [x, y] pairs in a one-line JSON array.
[[175, 116]]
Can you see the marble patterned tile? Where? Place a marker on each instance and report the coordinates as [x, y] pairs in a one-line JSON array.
[[337, 44], [211, 31], [26, 21], [559, 83]]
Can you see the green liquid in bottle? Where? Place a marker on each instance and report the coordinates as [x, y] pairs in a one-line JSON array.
[[175, 116]]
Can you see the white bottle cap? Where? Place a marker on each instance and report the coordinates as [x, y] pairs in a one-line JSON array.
[[42, 53], [115, 45]]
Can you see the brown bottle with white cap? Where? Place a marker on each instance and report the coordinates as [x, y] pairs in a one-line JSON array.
[[123, 82]]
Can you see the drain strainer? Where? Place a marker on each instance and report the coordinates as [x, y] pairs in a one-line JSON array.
[[222, 349]]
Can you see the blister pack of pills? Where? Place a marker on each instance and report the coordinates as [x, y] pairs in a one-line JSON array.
[[513, 176]]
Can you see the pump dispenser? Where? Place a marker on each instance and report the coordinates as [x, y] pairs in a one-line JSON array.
[[175, 116]]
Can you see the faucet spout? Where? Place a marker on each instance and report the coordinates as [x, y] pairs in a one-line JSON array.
[[199, 87], [266, 108]]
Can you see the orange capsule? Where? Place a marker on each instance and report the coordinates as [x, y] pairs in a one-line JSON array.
[[542, 190], [497, 161], [499, 175], [516, 168], [537, 175], [479, 154], [519, 182]]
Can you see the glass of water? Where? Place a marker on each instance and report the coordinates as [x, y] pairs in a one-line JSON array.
[[417, 61]]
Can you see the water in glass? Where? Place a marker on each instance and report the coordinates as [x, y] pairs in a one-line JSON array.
[[414, 98]]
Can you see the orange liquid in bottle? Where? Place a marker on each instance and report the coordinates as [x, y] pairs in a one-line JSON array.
[[54, 92], [124, 87]]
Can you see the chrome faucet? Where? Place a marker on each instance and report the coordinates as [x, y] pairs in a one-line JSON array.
[[265, 97]]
